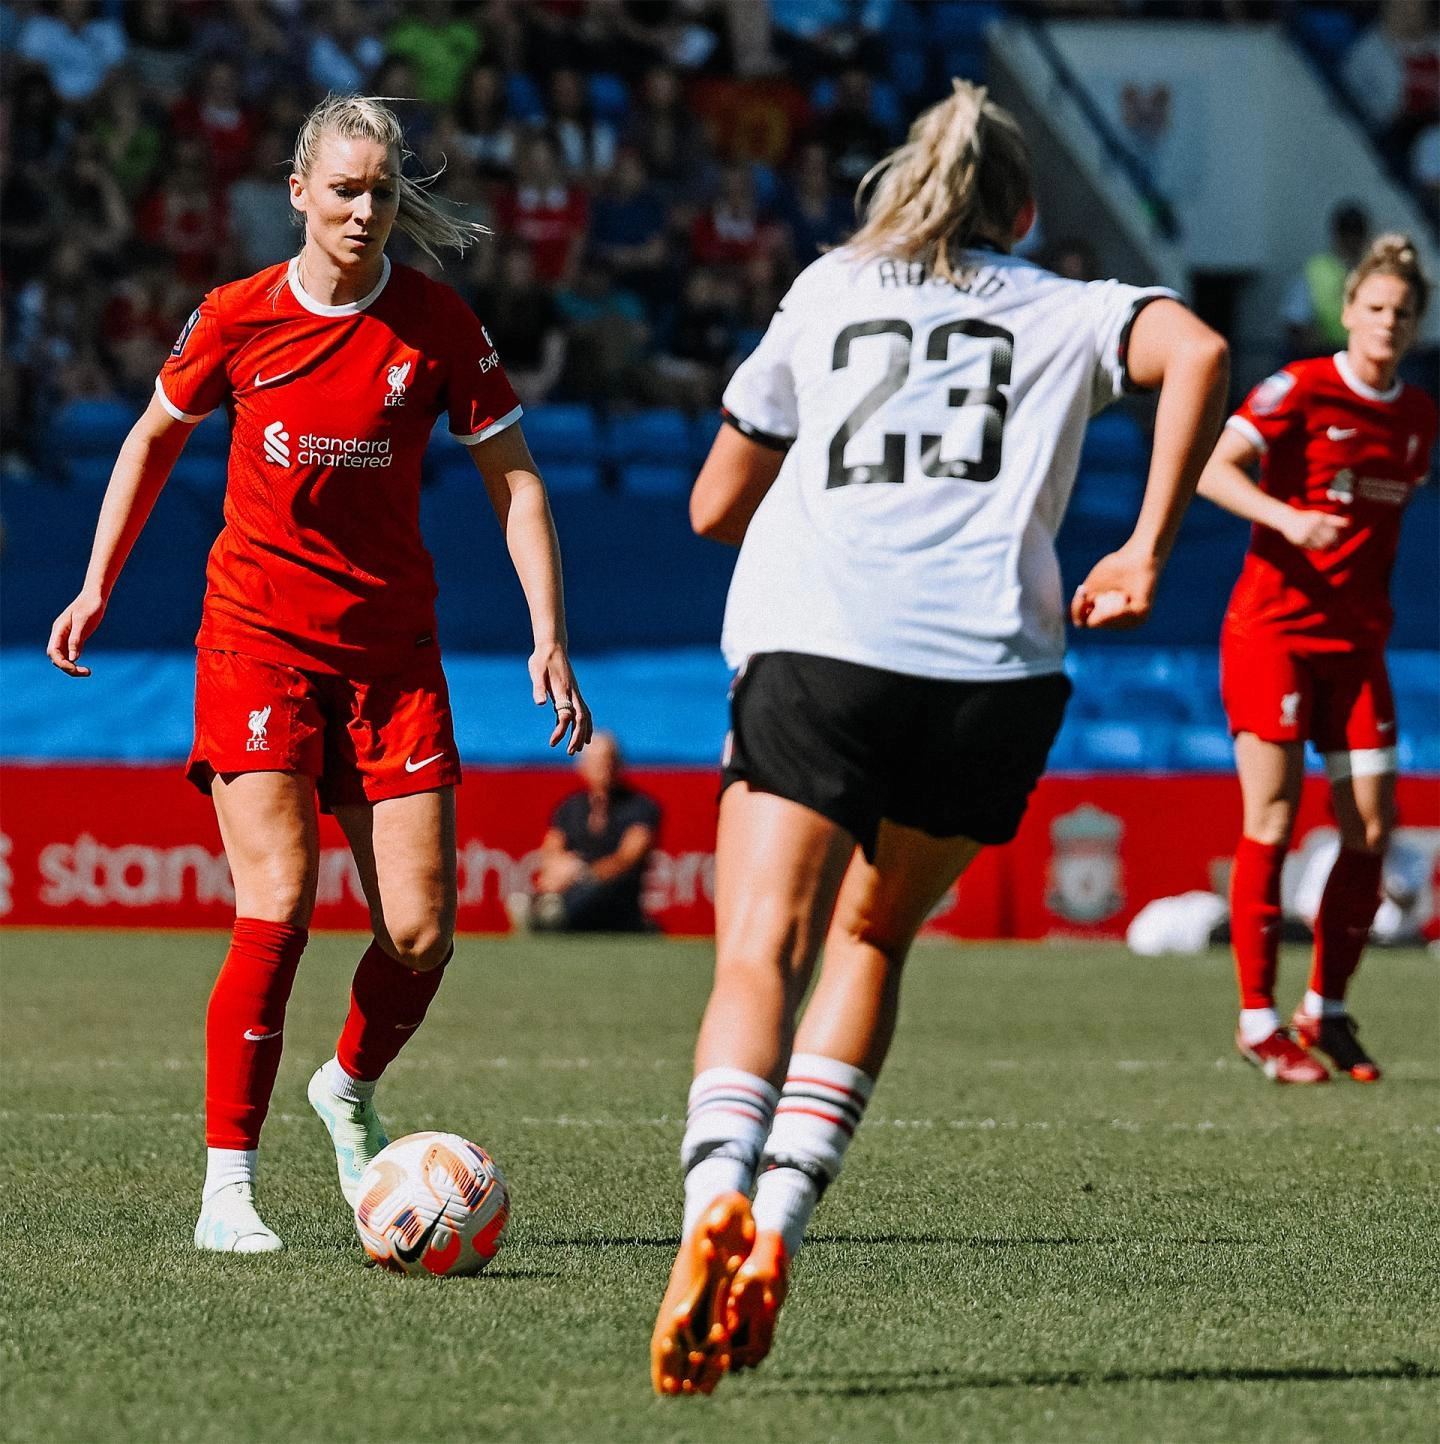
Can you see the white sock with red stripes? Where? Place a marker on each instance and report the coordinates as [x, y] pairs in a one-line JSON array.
[[729, 1116], [820, 1108]]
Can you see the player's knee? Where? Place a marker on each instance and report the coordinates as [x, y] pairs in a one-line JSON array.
[[422, 945], [279, 894]]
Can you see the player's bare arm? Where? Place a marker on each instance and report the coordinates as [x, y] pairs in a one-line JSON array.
[[512, 482], [1226, 482], [732, 483], [141, 470], [1173, 349]]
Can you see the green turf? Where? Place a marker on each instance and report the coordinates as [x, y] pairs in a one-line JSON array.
[[1072, 1214]]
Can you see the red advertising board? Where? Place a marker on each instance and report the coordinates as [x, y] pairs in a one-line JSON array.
[[138, 847]]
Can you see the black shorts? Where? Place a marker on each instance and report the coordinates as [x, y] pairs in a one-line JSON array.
[[857, 744]]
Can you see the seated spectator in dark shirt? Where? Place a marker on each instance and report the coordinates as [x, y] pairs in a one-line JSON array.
[[522, 318], [851, 135], [815, 213], [629, 232], [592, 860]]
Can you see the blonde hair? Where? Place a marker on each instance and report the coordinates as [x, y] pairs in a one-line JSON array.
[[960, 179], [366, 117], [1391, 255]]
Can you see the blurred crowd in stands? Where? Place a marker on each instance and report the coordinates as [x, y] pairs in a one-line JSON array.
[[655, 170]]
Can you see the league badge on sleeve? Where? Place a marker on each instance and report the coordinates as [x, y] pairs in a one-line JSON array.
[[1269, 394], [185, 331]]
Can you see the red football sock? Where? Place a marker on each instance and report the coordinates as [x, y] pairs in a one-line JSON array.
[[1342, 926], [1255, 919], [242, 1029], [388, 1001]]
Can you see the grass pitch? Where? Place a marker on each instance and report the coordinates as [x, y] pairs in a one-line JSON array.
[[1073, 1213]]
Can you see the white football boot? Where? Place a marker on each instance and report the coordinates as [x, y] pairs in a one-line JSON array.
[[355, 1131], [229, 1224]]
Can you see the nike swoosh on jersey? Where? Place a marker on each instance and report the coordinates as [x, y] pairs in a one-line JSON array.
[[412, 766], [252, 1036], [261, 382], [1341, 433]]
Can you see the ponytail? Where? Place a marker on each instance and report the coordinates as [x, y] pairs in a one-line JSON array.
[[959, 180]]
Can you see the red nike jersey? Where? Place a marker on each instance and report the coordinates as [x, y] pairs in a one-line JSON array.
[[320, 563], [1330, 443]]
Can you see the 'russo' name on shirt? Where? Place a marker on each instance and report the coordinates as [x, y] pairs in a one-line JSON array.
[[343, 451]]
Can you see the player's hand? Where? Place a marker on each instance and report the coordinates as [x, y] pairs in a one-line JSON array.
[[555, 683], [1117, 594], [73, 628], [1314, 531]]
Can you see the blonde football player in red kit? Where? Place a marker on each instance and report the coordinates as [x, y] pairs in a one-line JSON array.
[[319, 665], [1341, 445]]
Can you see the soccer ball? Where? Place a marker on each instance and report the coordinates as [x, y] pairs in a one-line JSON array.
[[432, 1203]]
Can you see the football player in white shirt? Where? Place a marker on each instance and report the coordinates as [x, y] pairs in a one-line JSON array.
[[901, 448]]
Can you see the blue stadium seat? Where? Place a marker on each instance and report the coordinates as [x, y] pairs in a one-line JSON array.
[[1418, 711], [1420, 753], [885, 104], [609, 98], [199, 473], [1108, 494], [527, 104], [89, 475], [1330, 33], [1124, 746], [965, 21], [703, 431], [904, 25], [659, 435], [572, 476], [562, 432], [1414, 671], [909, 70], [211, 438], [1114, 442], [1203, 749], [656, 478], [89, 428], [1149, 704]]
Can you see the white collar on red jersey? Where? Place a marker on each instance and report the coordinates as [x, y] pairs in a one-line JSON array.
[[350, 308], [1348, 376]]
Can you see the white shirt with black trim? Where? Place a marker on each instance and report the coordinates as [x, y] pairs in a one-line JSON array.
[[936, 434]]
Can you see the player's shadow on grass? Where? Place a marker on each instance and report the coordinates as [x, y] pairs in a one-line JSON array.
[[903, 1240], [884, 1383]]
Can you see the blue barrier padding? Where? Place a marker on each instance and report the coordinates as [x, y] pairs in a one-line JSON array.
[[137, 707], [1135, 708]]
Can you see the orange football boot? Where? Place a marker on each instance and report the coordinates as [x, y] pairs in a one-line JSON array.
[[755, 1300], [690, 1348]]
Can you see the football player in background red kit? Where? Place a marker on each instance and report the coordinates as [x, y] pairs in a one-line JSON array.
[[1342, 445], [318, 663]]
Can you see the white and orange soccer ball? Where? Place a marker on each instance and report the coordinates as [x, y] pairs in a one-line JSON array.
[[432, 1203]]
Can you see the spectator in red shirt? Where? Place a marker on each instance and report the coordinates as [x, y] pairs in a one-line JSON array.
[[546, 212], [185, 215], [733, 230], [214, 111]]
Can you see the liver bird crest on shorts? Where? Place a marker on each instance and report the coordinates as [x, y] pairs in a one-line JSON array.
[[259, 719]]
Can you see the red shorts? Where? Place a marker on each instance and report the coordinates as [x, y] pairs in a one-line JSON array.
[[1339, 700], [362, 741]]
